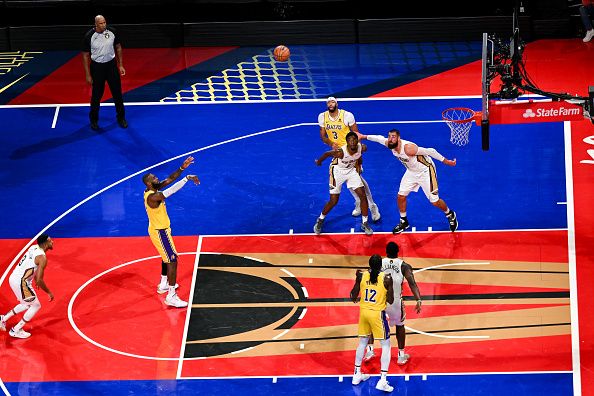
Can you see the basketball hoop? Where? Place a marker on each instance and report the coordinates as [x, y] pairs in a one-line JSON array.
[[459, 119]]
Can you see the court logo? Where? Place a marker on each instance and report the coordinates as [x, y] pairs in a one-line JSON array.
[[529, 114]]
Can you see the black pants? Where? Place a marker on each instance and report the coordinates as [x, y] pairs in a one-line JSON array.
[[100, 73]]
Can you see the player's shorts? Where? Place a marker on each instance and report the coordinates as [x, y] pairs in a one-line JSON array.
[[164, 243], [396, 313], [339, 177], [427, 180], [22, 289], [373, 322]]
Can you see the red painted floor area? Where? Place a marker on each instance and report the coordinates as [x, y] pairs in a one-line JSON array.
[[143, 66], [120, 310]]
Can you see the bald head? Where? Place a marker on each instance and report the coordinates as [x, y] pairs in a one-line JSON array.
[[100, 24]]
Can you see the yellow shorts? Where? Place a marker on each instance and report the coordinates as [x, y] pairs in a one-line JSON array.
[[373, 322], [164, 243]]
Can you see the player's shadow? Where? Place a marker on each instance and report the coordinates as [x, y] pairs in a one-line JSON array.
[[52, 143]]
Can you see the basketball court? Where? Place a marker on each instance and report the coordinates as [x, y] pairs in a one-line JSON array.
[[270, 313]]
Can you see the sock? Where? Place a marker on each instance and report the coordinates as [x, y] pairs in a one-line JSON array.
[[365, 218], [322, 216], [400, 352], [403, 215], [19, 325], [171, 291], [163, 283], [357, 370], [384, 376]]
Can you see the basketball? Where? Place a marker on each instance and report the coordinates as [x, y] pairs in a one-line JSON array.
[[281, 53]]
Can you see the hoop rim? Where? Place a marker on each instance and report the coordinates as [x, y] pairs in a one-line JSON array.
[[474, 115]]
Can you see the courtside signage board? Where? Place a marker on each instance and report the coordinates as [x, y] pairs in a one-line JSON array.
[[535, 111]]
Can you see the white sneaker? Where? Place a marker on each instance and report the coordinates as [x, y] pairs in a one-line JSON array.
[[358, 378], [19, 333], [403, 359], [2, 323], [375, 214], [384, 385], [369, 354], [589, 35], [174, 301], [357, 211], [162, 290]]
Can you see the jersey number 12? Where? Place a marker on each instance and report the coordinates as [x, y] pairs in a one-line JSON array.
[[370, 295]]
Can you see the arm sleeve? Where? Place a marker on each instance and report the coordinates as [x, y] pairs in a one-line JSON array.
[[349, 118], [116, 36], [321, 120], [175, 188], [378, 139], [431, 152], [86, 45]]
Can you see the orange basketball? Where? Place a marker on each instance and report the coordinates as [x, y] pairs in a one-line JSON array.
[[281, 53]]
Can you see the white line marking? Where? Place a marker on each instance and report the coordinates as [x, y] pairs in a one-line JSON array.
[[340, 378], [287, 272], [253, 258], [291, 231], [447, 265], [310, 261], [98, 345], [55, 117], [429, 229], [304, 291], [6, 392], [280, 335], [242, 350], [443, 336], [301, 346], [323, 100], [424, 377], [391, 375], [561, 203], [302, 314], [188, 312], [406, 377], [414, 229], [274, 380], [352, 230], [573, 297]]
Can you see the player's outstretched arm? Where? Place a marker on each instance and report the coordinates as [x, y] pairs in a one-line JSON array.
[[357, 286], [173, 177], [331, 153]]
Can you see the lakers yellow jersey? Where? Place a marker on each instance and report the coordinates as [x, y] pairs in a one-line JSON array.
[[158, 217], [336, 130], [373, 297]]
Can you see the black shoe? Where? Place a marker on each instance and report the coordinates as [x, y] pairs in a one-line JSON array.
[[403, 225], [123, 123], [453, 220], [94, 125]]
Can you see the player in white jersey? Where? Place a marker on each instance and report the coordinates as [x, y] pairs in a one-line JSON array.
[[334, 125], [31, 265], [398, 271], [420, 172], [344, 170]]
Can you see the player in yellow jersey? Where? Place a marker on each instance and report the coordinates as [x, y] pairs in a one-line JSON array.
[[334, 125], [374, 290], [159, 228]]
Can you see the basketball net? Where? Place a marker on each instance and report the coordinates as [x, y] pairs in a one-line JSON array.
[[460, 120]]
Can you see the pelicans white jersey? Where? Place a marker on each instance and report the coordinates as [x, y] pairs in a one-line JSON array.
[[417, 163], [344, 170], [21, 278], [395, 311]]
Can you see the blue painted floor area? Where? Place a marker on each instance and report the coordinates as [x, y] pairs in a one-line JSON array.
[[435, 385], [266, 183]]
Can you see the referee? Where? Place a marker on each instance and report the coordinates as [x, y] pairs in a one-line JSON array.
[[100, 48]]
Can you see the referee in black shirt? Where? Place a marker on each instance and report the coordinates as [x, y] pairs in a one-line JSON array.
[[100, 48]]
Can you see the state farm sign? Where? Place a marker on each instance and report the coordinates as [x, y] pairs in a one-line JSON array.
[[529, 111]]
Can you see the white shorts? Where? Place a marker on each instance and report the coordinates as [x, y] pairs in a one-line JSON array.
[[22, 290], [339, 177], [396, 313], [427, 180]]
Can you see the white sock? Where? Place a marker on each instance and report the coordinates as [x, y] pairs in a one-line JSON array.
[[19, 325], [402, 214], [400, 352], [384, 376], [163, 283], [322, 216], [357, 370], [365, 218], [171, 291]]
